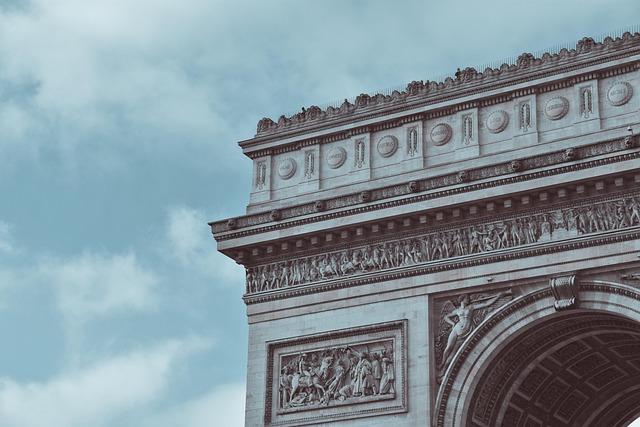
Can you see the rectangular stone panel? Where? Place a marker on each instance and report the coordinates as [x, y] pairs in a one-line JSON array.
[[336, 375]]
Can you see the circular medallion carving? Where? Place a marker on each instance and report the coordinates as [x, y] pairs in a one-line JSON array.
[[556, 108], [441, 134], [619, 93], [497, 121], [336, 157], [387, 145], [287, 168]]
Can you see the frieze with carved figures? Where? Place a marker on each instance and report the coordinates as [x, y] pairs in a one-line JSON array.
[[521, 230]]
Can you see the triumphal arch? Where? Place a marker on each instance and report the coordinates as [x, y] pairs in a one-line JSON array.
[[457, 253]]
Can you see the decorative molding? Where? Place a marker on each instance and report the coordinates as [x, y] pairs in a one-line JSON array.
[[630, 276], [430, 184], [497, 121], [309, 164], [467, 81], [524, 112], [619, 70], [565, 292], [570, 221], [336, 157], [586, 102], [467, 129], [556, 108], [468, 261], [412, 141], [337, 375], [287, 168], [261, 174], [619, 93], [441, 134], [359, 153], [387, 146]]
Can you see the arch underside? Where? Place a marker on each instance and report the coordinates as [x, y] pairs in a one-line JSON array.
[[573, 369], [530, 365]]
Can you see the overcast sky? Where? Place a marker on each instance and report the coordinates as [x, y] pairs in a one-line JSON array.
[[118, 128]]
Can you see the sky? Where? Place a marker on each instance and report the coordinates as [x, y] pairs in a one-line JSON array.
[[118, 128]]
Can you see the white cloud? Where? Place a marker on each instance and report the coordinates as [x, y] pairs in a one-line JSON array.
[[96, 395], [94, 285], [223, 406], [6, 243], [91, 56], [191, 243]]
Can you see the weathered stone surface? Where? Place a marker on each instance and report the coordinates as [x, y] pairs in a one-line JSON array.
[[462, 253]]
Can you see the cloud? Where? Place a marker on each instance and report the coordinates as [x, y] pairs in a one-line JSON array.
[[191, 244], [223, 406], [98, 394], [94, 285], [6, 242]]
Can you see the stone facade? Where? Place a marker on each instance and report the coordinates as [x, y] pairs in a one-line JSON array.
[[400, 249]]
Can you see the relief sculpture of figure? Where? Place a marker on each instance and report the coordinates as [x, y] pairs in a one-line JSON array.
[[305, 378], [388, 375], [461, 320], [439, 245], [355, 373]]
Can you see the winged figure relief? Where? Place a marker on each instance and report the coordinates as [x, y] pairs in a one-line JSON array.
[[458, 321]]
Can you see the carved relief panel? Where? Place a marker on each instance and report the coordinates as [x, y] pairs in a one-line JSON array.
[[458, 318], [414, 143], [261, 183], [467, 138], [618, 97], [287, 171], [336, 375], [586, 111], [457, 241], [525, 112]]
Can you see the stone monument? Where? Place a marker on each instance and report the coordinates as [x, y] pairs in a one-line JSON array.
[[459, 253]]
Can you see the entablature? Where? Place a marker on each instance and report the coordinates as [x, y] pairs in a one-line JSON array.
[[542, 212], [238, 237]]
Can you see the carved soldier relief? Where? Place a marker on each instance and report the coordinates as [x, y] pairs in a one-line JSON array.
[[339, 373], [555, 224]]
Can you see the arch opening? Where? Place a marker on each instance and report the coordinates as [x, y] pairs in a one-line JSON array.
[[574, 369], [530, 365]]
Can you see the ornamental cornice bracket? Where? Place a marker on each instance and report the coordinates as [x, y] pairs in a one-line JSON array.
[[565, 292]]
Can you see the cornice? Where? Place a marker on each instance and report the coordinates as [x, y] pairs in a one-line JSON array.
[[465, 262], [467, 82], [388, 196]]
